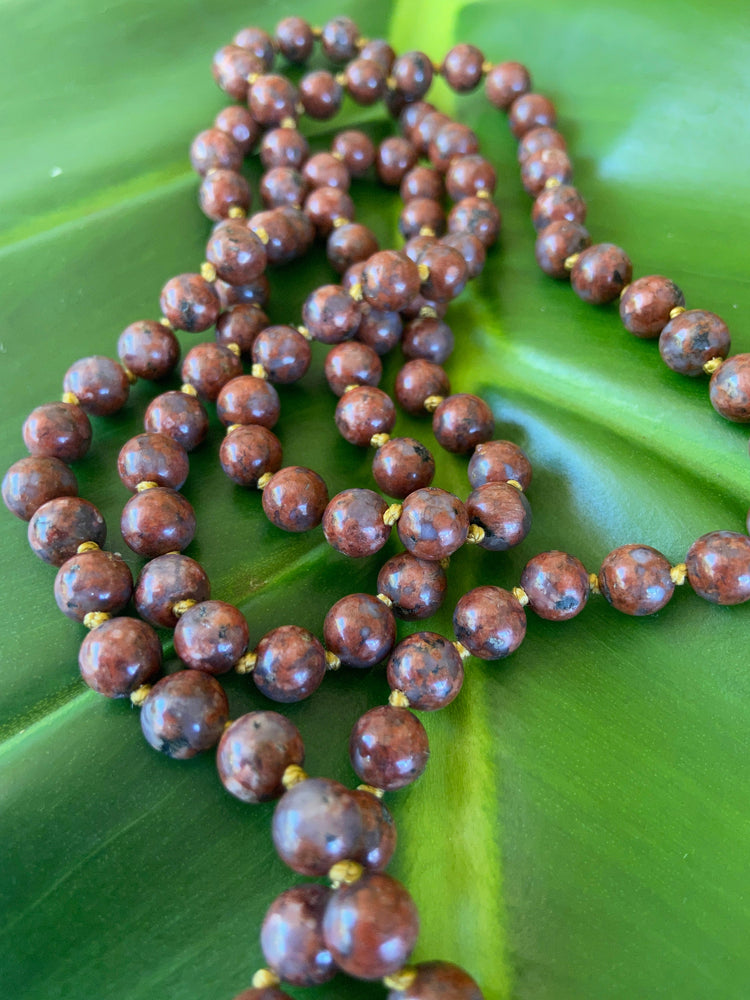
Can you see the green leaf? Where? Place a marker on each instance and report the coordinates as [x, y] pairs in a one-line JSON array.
[[582, 829]]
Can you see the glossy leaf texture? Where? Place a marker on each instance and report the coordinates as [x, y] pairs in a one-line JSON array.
[[583, 827]]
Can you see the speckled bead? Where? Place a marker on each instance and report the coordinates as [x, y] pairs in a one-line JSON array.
[[471, 249], [425, 128], [325, 170], [316, 824], [325, 206], [256, 293], [546, 165], [295, 39], [530, 111], [378, 831], [148, 349], [415, 587], [506, 82], [352, 363], [388, 747], [152, 458], [461, 422], [371, 926], [271, 99], [380, 329], [238, 123], [178, 415], [489, 622], [503, 512], [253, 754], [57, 430], [429, 338], [438, 981], [451, 140], [283, 147], [353, 523], [286, 232], [283, 352], [99, 384], [290, 664], [645, 305], [211, 636], [600, 273], [417, 380], [497, 462], [468, 175], [729, 389], [636, 580], [365, 81], [283, 186], [189, 303], [249, 452], [411, 114], [231, 67], [421, 214], [258, 42], [427, 668], [415, 245], [412, 74], [380, 52], [356, 151], [691, 339], [118, 656], [555, 204], [157, 521], [184, 714], [166, 581], [556, 584], [540, 138], [349, 244], [248, 400], [330, 314], [360, 630], [462, 67], [291, 936], [240, 325], [422, 182], [433, 523], [477, 216], [448, 272], [560, 240], [363, 412], [221, 191], [718, 567], [321, 94], [339, 39], [401, 466], [395, 157], [93, 581], [31, 482], [236, 252], [208, 367], [58, 527], [214, 150], [295, 499]]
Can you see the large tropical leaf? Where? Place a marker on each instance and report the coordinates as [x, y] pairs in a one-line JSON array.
[[583, 827]]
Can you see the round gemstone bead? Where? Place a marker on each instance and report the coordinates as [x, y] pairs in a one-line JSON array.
[[93, 581], [471, 249], [394, 159], [388, 747], [422, 182], [321, 94], [401, 466], [166, 581], [390, 280], [156, 521], [283, 353], [283, 186], [718, 567], [211, 636], [556, 584], [152, 458], [433, 523], [363, 412], [360, 630], [645, 305], [353, 523], [600, 273], [448, 272], [283, 147], [178, 415], [412, 74], [489, 622], [417, 380], [497, 462], [691, 339], [428, 338], [505, 82], [258, 42], [438, 981], [729, 389], [543, 166], [219, 193], [352, 363], [240, 325], [184, 714], [148, 349], [295, 499], [213, 149], [477, 216], [339, 39], [247, 453], [118, 656], [331, 314], [292, 936], [58, 527], [349, 244], [528, 112], [238, 123], [231, 67], [316, 824], [380, 329], [427, 668], [190, 303], [208, 367], [560, 240], [31, 482], [99, 384], [461, 422], [236, 252], [462, 67], [416, 587], [248, 400], [295, 39], [272, 98], [636, 579], [290, 664], [253, 754], [503, 512], [57, 430], [355, 149], [378, 831], [561, 203]]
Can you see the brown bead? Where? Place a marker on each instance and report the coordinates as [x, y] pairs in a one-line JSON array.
[[248, 400], [546, 165], [427, 668], [395, 158], [371, 926], [240, 325], [339, 39], [423, 183], [462, 67], [489, 622], [231, 67], [412, 114], [316, 824], [417, 380], [295, 39], [555, 204], [477, 216], [211, 636], [258, 42], [453, 139], [118, 656], [600, 273], [365, 81], [363, 412], [321, 94], [556, 243], [189, 303], [729, 389], [416, 587], [280, 229], [326, 205], [325, 170], [380, 329], [718, 567], [284, 147], [390, 280], [691, 339], [148, 349], [236, 252], [214, 150], [379, 51], [468, 175], [556, 584], [635, 579], [57, 430], [388, 747], [538, 139], [421, 213], [283, 352], [471, 249], [208, 367], [263, 993], [378, 831], [290, 664], [256, 293], [352, 363], [166, 581], [356, 151], [645, 305], [156, 521], [178, 415], [93, 581], [401, 466], [31, 482], [99, 384], [221, 191], [330, 314], [448, 273], [292, 936], [58, 527], [184, 714], [353, 523], [283, 186], [152, 458], [503, 512], [295, 499], [438, 981], [253, 754], [528, 112], [360, 630], [497, 462], [461, 422], [505, 82], [412, 74], [240, 125], [416, 245], [247, 453], [272, 98], [433, 523], [349, 244]]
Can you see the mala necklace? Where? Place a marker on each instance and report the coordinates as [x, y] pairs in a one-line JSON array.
[[366, 923]]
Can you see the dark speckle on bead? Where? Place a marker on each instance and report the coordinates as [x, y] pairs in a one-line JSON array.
[[118, 656], [31, 482], [478, 216], [730, 389], [58, 527], [189, 303], [415, 586], [645, 305], [556, 204], [93, 581], [388, 747], [353, 523], [461, 422], [253, 754], [156, 521], [401, 466], [57, 430], [178, 415], [433, 523], [489, 622], [718, 567], [330, 314], [316, 824], [292, 936], [600, 273], [184, 714], [556, 584], [211, 636], [164, 582], [99, 384], [691, 339], [295, 499], [236, 252], [636, 579], [427, 668], [360, 630], [503, 512]]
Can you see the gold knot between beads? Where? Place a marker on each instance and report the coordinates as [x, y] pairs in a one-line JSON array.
[[484, 193], [515, 484], [401, 980], [234, 348], [140, 694], [188, 389], [385, 599], [713, 365], [521, 596], [570, 262], [445, 562], [232, 427], [678, 574], [594, 583], [377, 792], [552, 182], [87, 547], [462, 651], [424, 272], [392, 514], [288, 122], [166, 322], [303, 331], [180, 607], [397, 699], [432, 402], [93, 619], [262, 235], [428, 312], [237, 212], [264, 480], [378, 440], [208, 271], [340, 79], [71, 398], [130, 376], [293, 775], [332, 661], [252, 77], [264, 979], [475, 534], [677, 311], [345, 873], [624, 290], [259, 371], [356, 291], [246, 663], [486, 66], [426, 231], [145, 484], [340, 220]]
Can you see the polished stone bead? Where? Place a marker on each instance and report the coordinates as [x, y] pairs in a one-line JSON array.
[[371, 926], [283, 352], [237, 254], [452, 139], [256, 293], [295, 499], [99, 384], [401, 466], [380, 329], [478, 216], [349, 244], [58, 527], [211, 636], [290, 664], [31, 482], [249, 452], [339, 39], [429, 338], [412, 114], [291, 936], [272, 98], [425, 128], [503, 512], [321, 94], [497, 462], [253, 754], [545, 165], [57, 430], [540, 138], [353, 523], [505, 82], [362, 412], [448, 272], [417, 380], [468, 175], [416, 587], [259, 43], [283, 186], [190, 303], [284, 147], [433, 523], [461, 422], [691, 339], [360, 630], [221, 191], [118, 656], [428, 669], [324, 206], [562, 203], [422, 182], [489, 622], [388, 747], [153, 458], [378, 831], [438, 981], [214, 150], [178, 415], [352, 363], [325, 170], [560, 240], [166, 581], [718, 567], [148, 349], [330, 314], [365, 81], [285, 231], [208, 367], [240, 325], [528, 112], [420, 214], [390, 280], [462, 67], [379, 51], [238, 123], [645, 305], [556, 584], [412, 74], [93, 581], [636, 580], [316, 824], [295, 39], [248, 400], [729, 389], [356, 151], [156, 521], [600, 273], [395, 157], [231, 67], [184, 714], [415, 245]]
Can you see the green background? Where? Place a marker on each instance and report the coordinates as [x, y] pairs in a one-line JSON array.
[[583, 828]]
